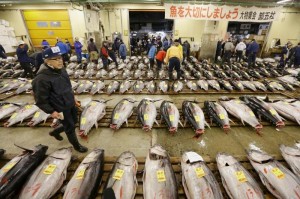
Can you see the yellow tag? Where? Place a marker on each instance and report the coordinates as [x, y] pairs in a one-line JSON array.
[[237, 101], [278, 173], [125, 102], [286, 103], [240, 176], [83, 120], [13, 115], [172, 118], [49, 169], [222, 116], [137, 86], [160, 174], [194, 84], [28, 107], [273, 112], [175, 85], [80, 174], [251, 113], [271, 86], [109, 86], [227, 84], [6, 106], [118, 174], [15, 80], [199, 172], [152, 85], [81, 85], [8, 167], [5, 85], [166, 85], [94, 85], [239, 84], [37, 114], [197, 118], [122, 86], [116, 116], [93, 103], [146, 117], [21, 85], [205, 85]]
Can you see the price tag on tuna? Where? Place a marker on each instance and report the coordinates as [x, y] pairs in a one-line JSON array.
[[8, 167], [80, 174], [5, 85], [278, 173], [237, 101], [271, 86], [116, 116], [49, 169], [239, 85], [227, 84], [172, 118], [125, 102], [240, 176], [137, 86], [251, 113], [152, 86], [93, 103], [122, 86], [80, 85], [286, 103], [146, 117], [83, 120], [205, 85], [118, 174], [222, 116], [160, 174], [37, 114], [109, 86], [28, 107], [21, 85], [272, 111], [13, 115], [194, 84], [6, 106], [175, 85], [199, 172], [166, 85], [197, 118], [94, 85]]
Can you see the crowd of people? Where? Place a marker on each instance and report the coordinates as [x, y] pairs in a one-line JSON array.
[[248, 51]]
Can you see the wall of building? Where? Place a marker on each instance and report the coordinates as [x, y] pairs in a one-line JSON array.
[[287, 28]]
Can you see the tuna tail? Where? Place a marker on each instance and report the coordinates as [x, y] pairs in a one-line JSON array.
[[113, 126], [280, 124], [30, 124], [82, 134], [172, 130], [30, 150], [6, 124], [180, 123], [146, 128], [226, 128], [258, 129], [198, 132], [207, 124]]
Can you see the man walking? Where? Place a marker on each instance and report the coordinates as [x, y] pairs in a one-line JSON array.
[[239, 49], [174, 58], [54, 95], [122, 50], [24, 59], [253, 48], [228, 49], [64, 50], [151, 55], [93, 51], [78, 49]]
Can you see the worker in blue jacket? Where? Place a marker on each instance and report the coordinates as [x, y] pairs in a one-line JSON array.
[[64, 50], [151, 54], [78, 49], [24, 59], [252, 49]]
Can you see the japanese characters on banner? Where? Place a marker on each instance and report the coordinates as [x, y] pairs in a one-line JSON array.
[[217, 13]]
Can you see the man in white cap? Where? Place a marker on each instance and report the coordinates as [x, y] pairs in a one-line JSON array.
[[24, 59], [54, 95]]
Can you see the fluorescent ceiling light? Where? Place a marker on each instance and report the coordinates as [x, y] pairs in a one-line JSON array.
[[283, 1]]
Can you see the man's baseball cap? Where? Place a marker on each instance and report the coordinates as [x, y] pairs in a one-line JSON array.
[[51, 52], [21, 42]]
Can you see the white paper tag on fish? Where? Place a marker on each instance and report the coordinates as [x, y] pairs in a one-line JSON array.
[[194, 157], [118, 174]]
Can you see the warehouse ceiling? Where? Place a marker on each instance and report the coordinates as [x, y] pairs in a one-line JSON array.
[[289, 3]]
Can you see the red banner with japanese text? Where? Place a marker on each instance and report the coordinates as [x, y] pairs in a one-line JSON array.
[[217, 13]]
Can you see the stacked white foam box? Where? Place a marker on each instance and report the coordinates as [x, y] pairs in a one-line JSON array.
[[7, 37]]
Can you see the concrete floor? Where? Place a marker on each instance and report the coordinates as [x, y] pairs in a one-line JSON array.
[[138, 141]]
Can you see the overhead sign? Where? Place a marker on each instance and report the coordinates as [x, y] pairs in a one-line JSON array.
[[219, 13]]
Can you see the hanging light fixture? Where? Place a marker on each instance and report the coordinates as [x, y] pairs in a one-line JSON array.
[[283, 1]]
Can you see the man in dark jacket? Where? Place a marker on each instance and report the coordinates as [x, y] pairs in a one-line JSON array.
[[24, 59], [54, 95], [253, 49], [297, 56], [2, 52]]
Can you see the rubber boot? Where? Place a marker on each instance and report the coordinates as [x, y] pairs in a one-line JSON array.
[[56, 132], [74, 141]]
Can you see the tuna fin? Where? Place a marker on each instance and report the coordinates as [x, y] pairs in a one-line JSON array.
[[96, 124], [243, 122], [156, 122], [233, 121], [180, 123], [126, 122], [184, 123], [207, 124], [30, 150]]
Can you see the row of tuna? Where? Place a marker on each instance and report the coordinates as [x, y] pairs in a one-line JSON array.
[[246, 109], [29, 175]]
